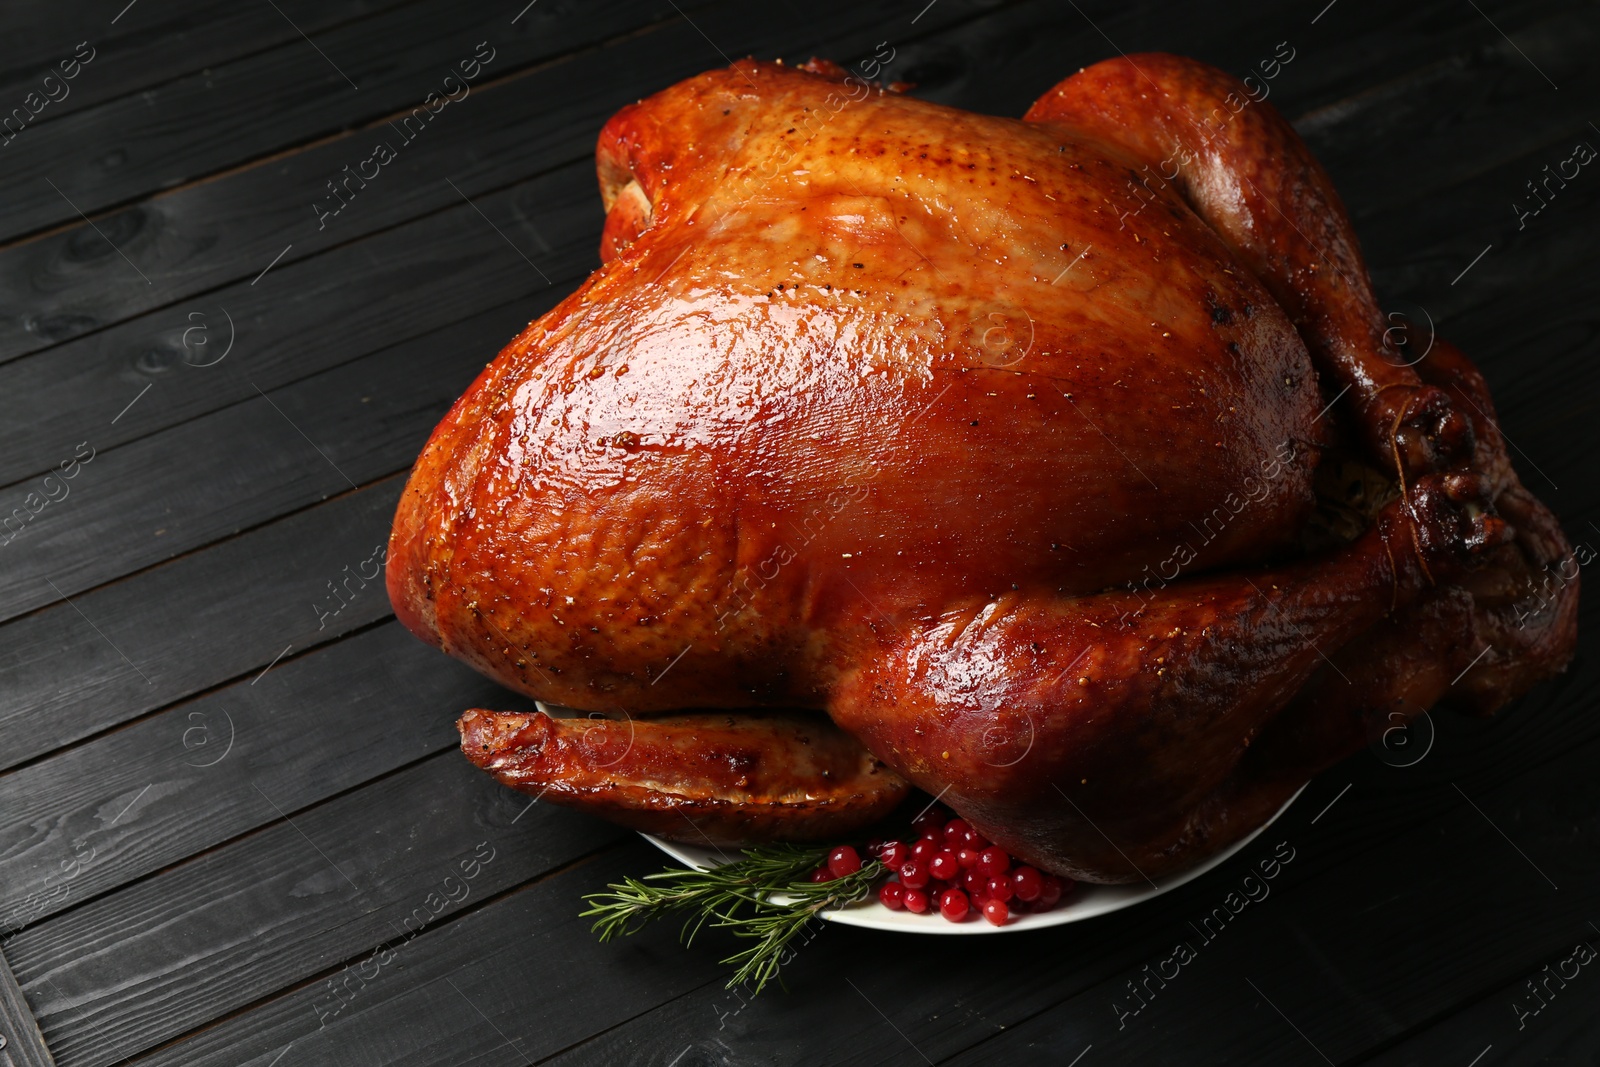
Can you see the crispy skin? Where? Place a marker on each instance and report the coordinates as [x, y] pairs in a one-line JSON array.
[[703, 779], [968, 432], [1105, 758], [849, 360], [1244, 170]]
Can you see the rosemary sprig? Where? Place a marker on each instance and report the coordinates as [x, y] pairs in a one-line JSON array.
[[766, 897]]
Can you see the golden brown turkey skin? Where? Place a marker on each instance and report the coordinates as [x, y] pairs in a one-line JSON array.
[[874, 400], [795, 367], [710, 779]]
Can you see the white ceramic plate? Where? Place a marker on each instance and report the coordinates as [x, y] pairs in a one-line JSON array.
[[1084, 902]]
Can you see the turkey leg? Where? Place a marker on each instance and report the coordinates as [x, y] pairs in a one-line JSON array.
[[1084, 734], [717, 779], [1244, 170]]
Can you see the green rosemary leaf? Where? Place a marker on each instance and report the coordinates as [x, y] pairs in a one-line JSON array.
[[766, 897]]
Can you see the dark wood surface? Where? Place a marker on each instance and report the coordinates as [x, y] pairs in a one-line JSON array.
[[233, 826]]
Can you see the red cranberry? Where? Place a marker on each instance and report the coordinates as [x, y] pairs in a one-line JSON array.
[[996, 912], [821, 874], [955, 833], [1027, 883], [843, 860], [930, 823], [924, 849], [993, 861], [953, 905], [974, 881], [967, 857], [944, 866], [1000, 888], [976, 841], [914, 874], [894, 853], [915, 900], [1050, 892], [892, 894]]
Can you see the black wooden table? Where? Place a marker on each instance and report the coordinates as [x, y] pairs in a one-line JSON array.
[[234, 828]]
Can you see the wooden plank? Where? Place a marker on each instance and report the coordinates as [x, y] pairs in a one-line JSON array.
[[97, 816], [21, 1043], [832, 1008], [1363, 49], [835, 1010], [345, 303], [419, 1028], [296, 94], [509, 983], [1552, 1023], [1500, 108], [1013, 56], [141, 45], [354, 879], [1419, 248], [265, 456], [203, 236], [133, 146], [241, 604]]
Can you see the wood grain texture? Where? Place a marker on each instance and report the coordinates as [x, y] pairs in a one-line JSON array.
[[428, 842], [99, 815], [204, 928], [509, 983], [455, 256], [236, 468], [1551, 1023], [21, 1043], [139, 47], [357, 73], [240, 605], [201, 236]]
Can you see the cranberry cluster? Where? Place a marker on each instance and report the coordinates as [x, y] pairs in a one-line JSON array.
[[950, 866]]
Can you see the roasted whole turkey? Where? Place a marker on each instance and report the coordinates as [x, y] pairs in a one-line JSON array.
[[1068, 465]]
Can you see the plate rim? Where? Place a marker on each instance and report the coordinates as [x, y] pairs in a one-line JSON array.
[[872, 915]]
